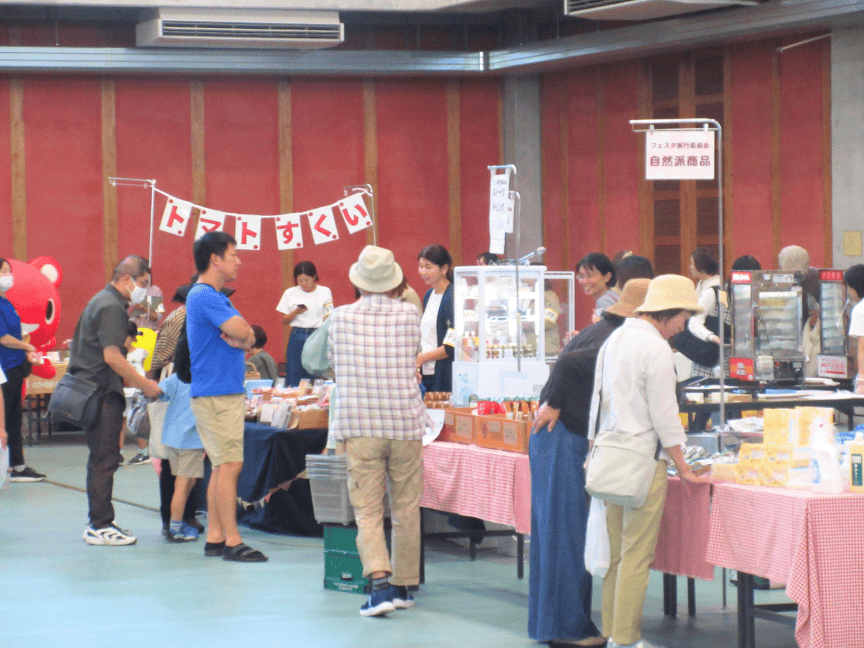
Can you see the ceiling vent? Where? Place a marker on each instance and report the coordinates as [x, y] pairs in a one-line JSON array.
[[252, 29], [643, 9]]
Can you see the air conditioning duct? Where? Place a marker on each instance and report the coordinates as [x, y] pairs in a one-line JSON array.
[[249, 29], [643, 9]]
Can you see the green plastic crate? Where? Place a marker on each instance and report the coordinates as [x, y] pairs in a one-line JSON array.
[[343, 572]]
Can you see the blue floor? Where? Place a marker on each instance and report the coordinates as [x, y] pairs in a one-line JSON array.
[[59, 591]]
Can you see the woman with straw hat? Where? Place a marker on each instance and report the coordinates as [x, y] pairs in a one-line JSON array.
[[559, 587], [634, 393]]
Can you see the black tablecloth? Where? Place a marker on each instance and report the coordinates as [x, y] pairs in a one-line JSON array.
[[272, 457]]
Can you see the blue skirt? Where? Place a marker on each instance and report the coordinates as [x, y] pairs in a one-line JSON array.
[[559, 587], [294, 371]]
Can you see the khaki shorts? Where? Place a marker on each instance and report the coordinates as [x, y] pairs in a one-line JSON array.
[[188, 463], [220, 421]]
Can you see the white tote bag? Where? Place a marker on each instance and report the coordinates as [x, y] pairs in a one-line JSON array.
[[597, 552]]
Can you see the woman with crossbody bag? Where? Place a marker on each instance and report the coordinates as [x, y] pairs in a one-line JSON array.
[[634, 398]]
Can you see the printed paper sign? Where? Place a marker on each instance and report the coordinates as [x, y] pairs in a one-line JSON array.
[[176, 217], [247, 231], [322, 222], [354, 213], [209, 221], [289, 234], [679, 155], [500, 202]]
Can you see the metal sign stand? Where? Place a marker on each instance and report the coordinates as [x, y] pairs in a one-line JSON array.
[[699, 124], [140, 182]]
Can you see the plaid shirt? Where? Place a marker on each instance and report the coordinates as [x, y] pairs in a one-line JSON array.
[[372, 348]]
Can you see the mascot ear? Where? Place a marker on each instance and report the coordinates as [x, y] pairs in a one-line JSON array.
[[50, 268]]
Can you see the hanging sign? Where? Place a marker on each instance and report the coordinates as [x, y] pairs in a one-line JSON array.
[[677, 154], [247, 232], [354, 213], [176, 216], [209, 221], [500, 210], [322, 222], [289, 234]]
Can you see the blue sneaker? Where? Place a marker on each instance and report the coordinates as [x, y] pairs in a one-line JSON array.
[[401, 597], [378, 603], [185, 533]]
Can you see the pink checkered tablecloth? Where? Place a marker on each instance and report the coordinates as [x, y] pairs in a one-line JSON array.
[[812, 542], [684, 531], [492, 485]]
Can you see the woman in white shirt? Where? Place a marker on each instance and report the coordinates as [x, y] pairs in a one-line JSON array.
[[304, 307], [634, 394], [706, 272], [435, 360], [854, 280]]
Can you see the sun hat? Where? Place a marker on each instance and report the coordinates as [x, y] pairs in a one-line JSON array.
[[631, 297], [670, 291], [792, 258], [376, 270]]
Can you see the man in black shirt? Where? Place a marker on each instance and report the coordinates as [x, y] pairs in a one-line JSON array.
[[97, 355]]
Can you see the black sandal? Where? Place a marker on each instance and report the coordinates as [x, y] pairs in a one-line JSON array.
[[243, 553], [214, 548]]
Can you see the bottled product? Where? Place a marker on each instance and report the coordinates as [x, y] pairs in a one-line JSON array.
[[856, 460]]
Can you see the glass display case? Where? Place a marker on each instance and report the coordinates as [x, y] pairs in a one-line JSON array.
[[833, 360], [500, 332], [766, 326]]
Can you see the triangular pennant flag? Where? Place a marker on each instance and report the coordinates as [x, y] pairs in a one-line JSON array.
[[289, 234], [248, 232], [322, 222], [176, 216], [209, 221], [354, 213]]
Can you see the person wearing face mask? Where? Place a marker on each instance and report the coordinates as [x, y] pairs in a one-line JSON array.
[[147, 313], [97, 356], [16, 357]]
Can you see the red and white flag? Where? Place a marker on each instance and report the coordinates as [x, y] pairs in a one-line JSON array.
[[354, 213], [289, 234], [247, 231], [176, 216], [322, 222], [209, 221]]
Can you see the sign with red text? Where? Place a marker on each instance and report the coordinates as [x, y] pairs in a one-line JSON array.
[[322, 222], [247, 231], [176, 216], [678, 154], [209, 220], [354, 213], [289, 234], [500, 210]]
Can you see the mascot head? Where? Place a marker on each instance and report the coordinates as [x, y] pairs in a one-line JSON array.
[[34, 296]]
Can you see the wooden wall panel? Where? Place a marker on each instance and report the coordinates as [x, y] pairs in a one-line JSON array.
[[7, 244], [801, 159], [479, 135], [412, 169], [241, 133], [622, 165], [751, 146], [109, 170], [154, 142], [328, 154], [62, 118], [553, 131], [584, 149]]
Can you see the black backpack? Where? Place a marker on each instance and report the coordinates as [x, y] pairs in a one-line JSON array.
[[182, 359]]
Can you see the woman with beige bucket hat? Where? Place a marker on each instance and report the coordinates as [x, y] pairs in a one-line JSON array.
[[634, 394]]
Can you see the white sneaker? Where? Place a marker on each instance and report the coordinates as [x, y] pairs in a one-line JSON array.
[[110, 535]]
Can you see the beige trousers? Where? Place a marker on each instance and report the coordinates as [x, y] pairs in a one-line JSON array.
[[370, 463], [632, 539]]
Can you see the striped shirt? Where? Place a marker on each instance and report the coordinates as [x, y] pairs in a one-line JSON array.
[[372, 348]]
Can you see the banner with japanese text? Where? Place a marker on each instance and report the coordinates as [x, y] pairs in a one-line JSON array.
[[678, 154]]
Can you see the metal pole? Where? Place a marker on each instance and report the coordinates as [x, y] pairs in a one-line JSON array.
[[152, 212], [517, 211]]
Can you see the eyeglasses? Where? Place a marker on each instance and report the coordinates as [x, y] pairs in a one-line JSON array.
[[582, 276]]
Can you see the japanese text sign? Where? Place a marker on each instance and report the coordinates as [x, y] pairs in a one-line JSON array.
[[209, 221], [289, 234], [176, 217], [678, 154]]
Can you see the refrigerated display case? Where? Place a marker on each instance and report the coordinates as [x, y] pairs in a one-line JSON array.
[[501, 330], [766, 326], [833, 359]]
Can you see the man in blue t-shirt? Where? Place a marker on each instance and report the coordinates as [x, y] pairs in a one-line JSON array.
[[218, 339]]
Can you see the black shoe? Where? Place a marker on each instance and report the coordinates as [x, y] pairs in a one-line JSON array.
[[26, 475], [243, 553], [138, 459]]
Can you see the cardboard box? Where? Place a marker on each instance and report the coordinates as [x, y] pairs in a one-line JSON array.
[[37, 385], [458, 425], [501, 433], [310, 419]]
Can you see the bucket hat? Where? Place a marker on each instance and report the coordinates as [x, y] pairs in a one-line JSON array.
[[631, 297], [670, 291], [376, 270]]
